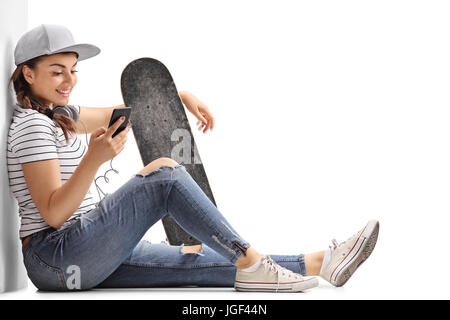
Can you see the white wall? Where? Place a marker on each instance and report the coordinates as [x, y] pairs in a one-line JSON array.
[[328, 113], [13, 23]]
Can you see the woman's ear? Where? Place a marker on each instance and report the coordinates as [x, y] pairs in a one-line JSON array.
[[28, 74]]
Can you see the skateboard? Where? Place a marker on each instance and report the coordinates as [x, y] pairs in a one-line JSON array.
[[161, 128]]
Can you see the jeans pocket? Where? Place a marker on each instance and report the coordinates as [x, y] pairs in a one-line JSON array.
[[43, 276]]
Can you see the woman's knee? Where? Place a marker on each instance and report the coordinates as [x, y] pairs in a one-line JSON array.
[[155, 164]]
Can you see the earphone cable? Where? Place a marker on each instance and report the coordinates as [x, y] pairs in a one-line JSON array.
[[104, 176]]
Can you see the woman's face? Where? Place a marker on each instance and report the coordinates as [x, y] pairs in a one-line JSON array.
[[53, 78]]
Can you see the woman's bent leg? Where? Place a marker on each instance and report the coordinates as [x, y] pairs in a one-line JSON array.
[[163, 265], [102, 239]]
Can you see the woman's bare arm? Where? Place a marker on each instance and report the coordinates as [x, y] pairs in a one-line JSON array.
[[94, 118], [57, 202]]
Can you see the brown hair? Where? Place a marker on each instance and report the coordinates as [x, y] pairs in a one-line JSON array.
[[25, 97]]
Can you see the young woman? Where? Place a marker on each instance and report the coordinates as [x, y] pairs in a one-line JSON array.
[[72, 243]]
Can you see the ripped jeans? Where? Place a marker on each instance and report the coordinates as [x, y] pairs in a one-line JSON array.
[[103, 248]]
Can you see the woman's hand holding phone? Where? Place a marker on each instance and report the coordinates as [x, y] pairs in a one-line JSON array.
[[103, 147]]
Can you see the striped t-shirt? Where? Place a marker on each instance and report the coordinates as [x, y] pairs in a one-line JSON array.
[[33, 136]]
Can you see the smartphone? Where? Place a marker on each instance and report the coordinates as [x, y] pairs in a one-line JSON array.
[[117, 113]]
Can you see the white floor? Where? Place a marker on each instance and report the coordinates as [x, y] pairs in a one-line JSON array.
[[324, 291], [354, 289]]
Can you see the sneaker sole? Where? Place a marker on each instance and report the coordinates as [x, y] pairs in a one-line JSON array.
[[272, 287], [360, 252]]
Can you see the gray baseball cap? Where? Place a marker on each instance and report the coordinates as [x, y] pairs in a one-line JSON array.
[[50, 39]]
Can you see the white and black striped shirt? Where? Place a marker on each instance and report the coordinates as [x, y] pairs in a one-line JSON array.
[[33, 136]]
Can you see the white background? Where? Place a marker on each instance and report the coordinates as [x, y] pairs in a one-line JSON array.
[[328, 114]]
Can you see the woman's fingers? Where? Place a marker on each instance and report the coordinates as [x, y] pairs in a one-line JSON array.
[[210, 121], [208, 125], [201, 117], [202, 124]]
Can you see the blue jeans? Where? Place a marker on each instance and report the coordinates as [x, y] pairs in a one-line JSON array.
[[103, 248]]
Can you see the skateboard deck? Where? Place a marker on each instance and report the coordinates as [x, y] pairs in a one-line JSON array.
[[161, 128]]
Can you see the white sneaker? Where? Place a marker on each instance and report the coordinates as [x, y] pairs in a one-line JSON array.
[[271, 277], [347, 256]]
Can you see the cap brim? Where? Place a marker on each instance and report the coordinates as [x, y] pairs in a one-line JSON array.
[[84, 50]]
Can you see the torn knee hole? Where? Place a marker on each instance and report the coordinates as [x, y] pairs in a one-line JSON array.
[[191, 249]]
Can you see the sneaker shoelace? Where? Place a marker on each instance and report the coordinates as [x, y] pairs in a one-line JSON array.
[[337, 245], [272, 266]]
